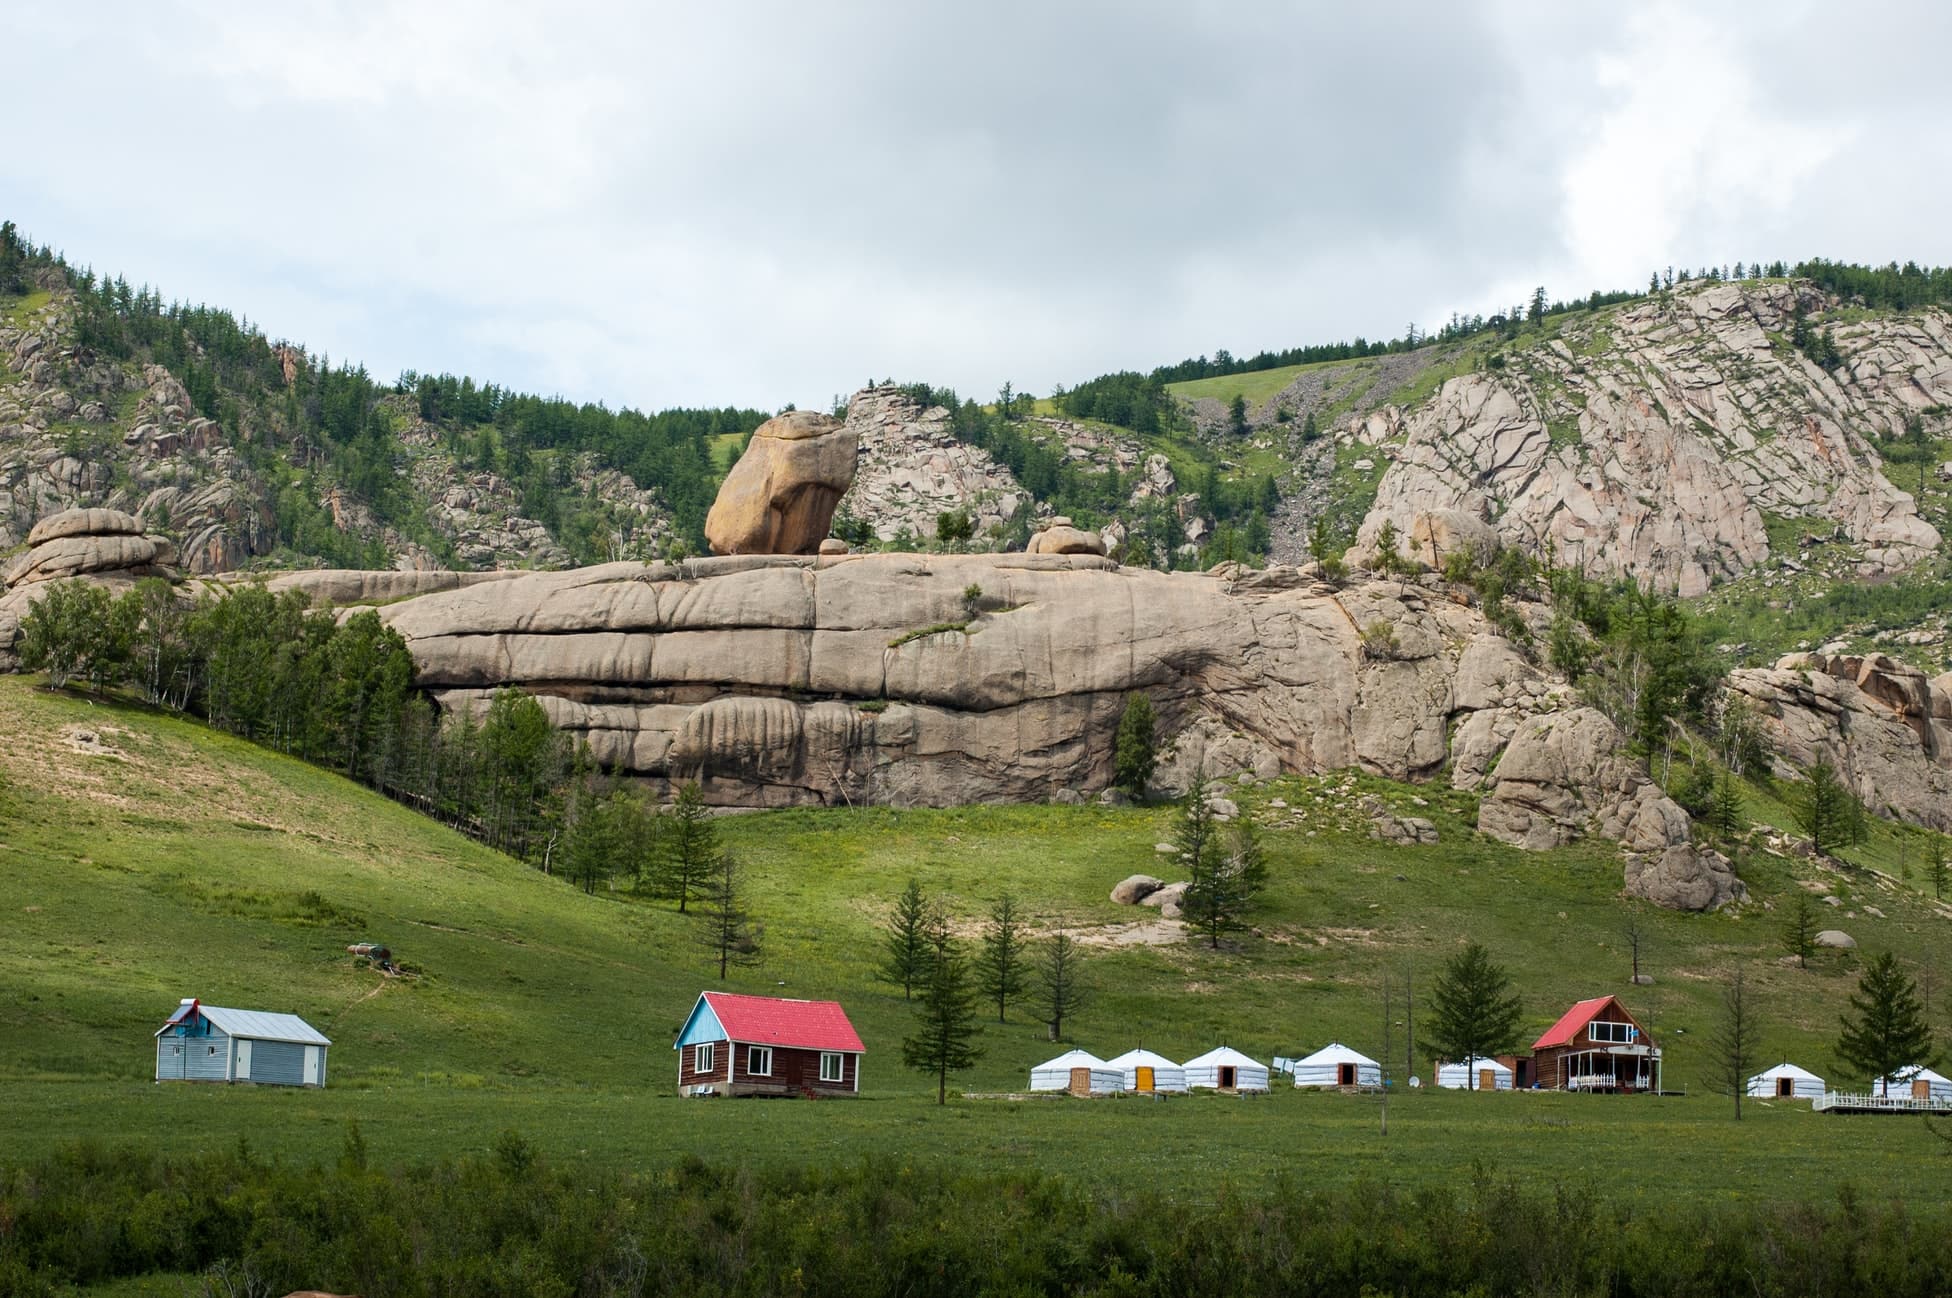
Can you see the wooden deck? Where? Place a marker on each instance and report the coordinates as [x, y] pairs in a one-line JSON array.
[[1841, 1102]]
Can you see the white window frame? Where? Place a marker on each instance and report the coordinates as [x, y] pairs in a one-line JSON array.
[[1616, 1033], [756, 1054], [704, 1056], [839, 1060]]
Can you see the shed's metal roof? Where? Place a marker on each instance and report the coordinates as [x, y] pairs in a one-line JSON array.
[[259, 1025]]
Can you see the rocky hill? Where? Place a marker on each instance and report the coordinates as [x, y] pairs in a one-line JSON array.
[[238, 478]]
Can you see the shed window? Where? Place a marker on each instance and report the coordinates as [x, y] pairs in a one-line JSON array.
[[210, 1050], [704, 1057], [833, 1066], [759, 1061]]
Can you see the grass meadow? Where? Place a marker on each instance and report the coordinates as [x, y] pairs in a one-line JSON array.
[[180, 862]]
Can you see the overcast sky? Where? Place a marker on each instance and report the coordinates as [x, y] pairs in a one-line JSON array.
[[758, 203]]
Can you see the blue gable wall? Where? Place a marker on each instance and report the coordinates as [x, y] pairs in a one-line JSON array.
[[702, 1026]]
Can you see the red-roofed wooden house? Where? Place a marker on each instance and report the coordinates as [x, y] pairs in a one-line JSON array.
[[1596, 1046], [766, 1045]]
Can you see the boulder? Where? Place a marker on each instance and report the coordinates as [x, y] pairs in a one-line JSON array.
[[1684, 877], [780, 497], [1836, 938], [1405, 830], [1135, 888], [1565, 775], [1065, 540], [1436, 534], [1169, 899], [84, 522], [833, 545]]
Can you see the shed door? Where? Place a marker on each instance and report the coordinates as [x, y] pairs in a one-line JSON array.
[[314, 1064], [176, 1063], [1921, 1089], [1142, 1078], [1487, 1079], [243, 1059]]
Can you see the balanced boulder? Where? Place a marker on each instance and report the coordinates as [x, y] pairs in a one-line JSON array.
[[1062, 538], [780, 496]]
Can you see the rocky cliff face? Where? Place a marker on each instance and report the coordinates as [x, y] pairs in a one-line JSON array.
[[1885, 728], [1657, 440]]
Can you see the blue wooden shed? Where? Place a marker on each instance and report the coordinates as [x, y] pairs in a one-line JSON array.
[[207, 1043]]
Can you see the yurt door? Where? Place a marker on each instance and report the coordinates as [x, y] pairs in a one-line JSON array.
[[1487, 1079], [1228, 1078], [1345, 1074], [1080, 1081], [1142, 1079], [1785, 1087], [1920, 1089]]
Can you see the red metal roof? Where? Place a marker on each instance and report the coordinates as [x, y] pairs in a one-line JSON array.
[[1569, 1024], [769, 1021]]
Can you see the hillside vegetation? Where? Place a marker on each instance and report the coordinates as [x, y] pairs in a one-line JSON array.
[[146, 858]]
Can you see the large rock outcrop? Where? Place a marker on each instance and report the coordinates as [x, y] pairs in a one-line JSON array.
[[912, 469], [105, 546], [867, 679], [1883, 725], [1654, 440], [781, 495]]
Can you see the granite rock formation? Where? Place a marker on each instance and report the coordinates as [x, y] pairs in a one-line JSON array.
[[781, 495]]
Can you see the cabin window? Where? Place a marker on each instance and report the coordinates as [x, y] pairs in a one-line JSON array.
[[1611, 1031], [704, 1058], [210, 1050], [759, 1061], [833, 1066]]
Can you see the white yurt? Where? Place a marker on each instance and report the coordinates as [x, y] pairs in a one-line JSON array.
[[1079, 1072], [1226, 1069], [1337, 1065], [1145, 1072], [1787, 1082], [1915, 1083], [1474, 1074]]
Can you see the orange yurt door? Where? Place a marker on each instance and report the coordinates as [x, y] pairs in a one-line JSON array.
[[1142, 1078], [1921, 1089], [1487, 1079]]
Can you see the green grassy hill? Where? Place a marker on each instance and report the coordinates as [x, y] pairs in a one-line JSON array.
[[178, 862]]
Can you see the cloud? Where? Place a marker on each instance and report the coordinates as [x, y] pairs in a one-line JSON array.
[[771, 202]]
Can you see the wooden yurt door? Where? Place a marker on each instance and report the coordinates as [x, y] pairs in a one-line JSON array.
[[1920, 1089], [1487, 1079], [1228, 1077], [1080, 1081], [1785, 1086], [1345, 1074], [1142, 1079]]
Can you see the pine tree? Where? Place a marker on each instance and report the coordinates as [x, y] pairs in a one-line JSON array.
[[1736, 1038], [1936, 869], [1135, 753], [1000, 972], [1226, 880], [946, 1028], [1237, 416], [690, 847], [907, 942], [728, 932], [1473, 1013], [1725, 808], [1799, 929], [1061, 991], [1888, 1031], [1822, 808]]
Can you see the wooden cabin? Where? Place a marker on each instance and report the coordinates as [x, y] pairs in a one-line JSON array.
[[765, 1045], [208, 1043], [1596, 1046]]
